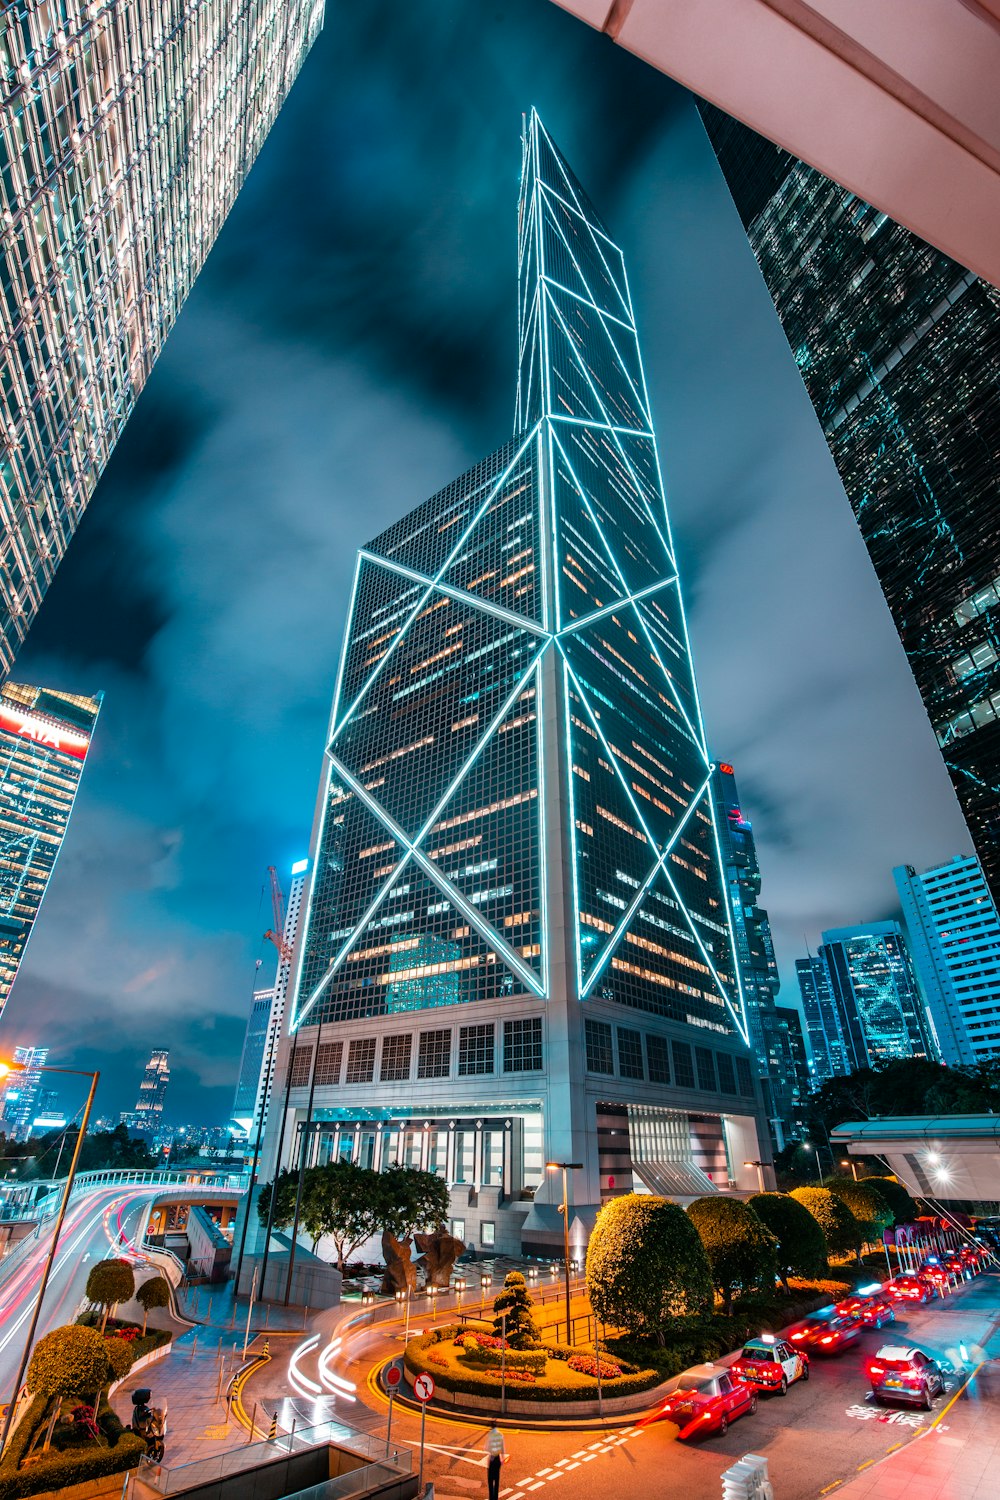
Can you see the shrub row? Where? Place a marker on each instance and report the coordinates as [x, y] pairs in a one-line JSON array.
[[496, 1359], [73, 1465], [473, 1383]]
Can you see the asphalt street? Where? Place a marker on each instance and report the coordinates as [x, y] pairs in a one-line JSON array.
[[819, 1435], [94, 1228]]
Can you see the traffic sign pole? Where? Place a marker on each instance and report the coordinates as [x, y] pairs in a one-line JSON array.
[[423, 1424], [393, 1376], [423, 1389]]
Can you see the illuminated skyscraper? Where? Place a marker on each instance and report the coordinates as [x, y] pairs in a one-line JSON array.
[[517, 939], [22, 1090], [954, 933], [754, 951], [829, 1059], [880, 1011], [148, 1112], [899, 349], [127, 128], [44, 739]]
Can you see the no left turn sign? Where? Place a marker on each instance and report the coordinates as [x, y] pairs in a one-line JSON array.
[[423, 1387]]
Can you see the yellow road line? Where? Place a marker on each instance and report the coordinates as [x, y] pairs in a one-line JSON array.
[[954, 1398], [865, 1465], [894, 1447], [832, 1486]]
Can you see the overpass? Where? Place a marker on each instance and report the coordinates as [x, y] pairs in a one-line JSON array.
[[897, 100], [945, 1157]]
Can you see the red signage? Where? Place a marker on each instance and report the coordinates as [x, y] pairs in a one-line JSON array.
[[393, 1376], [28, 726]]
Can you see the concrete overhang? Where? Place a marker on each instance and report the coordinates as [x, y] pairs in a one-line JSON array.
[[897, 100], [946, 1157]]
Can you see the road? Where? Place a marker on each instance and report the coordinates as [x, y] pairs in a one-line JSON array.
[[93, 1230], [819, 1435]]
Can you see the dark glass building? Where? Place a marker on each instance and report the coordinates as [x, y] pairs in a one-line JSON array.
[[879, 1008], [826, 1045], [517, 942], [899, 349], [44, 740], [754, 951]]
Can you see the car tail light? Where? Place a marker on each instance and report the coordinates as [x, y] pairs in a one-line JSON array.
[[828, 1339], [798, 1335], [875, 1370]]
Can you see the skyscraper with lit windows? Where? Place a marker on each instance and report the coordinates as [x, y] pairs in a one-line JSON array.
[[44, 741], [899, 349], [880, 1011], [127, 128], [148, 1112], [517, 945]]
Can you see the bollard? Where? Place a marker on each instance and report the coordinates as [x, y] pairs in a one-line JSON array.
[[253, 1426], [194, 1346]]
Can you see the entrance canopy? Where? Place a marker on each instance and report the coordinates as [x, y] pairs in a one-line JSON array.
[[936, 1156]]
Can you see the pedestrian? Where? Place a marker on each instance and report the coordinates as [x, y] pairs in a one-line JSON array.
[[496, 1457]]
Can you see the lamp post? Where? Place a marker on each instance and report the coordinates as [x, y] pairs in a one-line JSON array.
[[485, 1281], [6, 1068], [808, 1146], [850, 1162], [564, 1167], [459, 1285], [401, 1297], [760, 1173]]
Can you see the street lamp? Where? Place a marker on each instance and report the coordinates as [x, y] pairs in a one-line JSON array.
[[459, 1286], [5, 1069], [485, 1281], [564, 1167], [853, 1166], [808, 1146], [760, 1173]]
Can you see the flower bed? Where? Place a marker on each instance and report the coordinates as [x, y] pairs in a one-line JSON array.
[[74, 1457], [553, 1379]]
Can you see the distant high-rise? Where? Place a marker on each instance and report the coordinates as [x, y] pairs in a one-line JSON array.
[[754, 950], [517, 946], [899, 349], [880, 1010], [44, 739], [954, 934], [790, 1020], [264, 1024], [127, 128], [829, 1059], [148, 1113], [22, 1092]]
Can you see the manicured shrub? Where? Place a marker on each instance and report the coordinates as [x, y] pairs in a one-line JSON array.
[[153, 1293], [801, 1244], [487, 1382], [869, 1207], [646, 1264], [71, 1361], [840, 1228], [904, 1209], [741, 1252], [512, 1309], [110, 1282]]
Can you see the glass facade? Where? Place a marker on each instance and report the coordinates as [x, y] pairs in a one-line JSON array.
[[954, 934], [44, 740], [754, 950], [127, 128], [879, 1009], [899, 349], [826, 1045], [23, 1092], [246, 1100], [148, 1112]]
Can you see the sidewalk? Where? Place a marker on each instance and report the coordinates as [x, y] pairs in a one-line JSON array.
[[957, 1459]]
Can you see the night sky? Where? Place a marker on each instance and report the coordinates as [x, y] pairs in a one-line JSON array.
[[348, 349]]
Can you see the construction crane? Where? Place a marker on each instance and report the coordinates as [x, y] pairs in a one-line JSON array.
[[276, 934]]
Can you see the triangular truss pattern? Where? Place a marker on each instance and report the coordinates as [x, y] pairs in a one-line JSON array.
[[431, 873]]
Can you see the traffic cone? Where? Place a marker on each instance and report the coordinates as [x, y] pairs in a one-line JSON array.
[[272, 1431], [267, 1348]]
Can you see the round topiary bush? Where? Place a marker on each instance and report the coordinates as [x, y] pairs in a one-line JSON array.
[[110, 1282], [512, 1311], [70, 1361], [801, 1247], [741, 1252], [868, 1206], [841, 1229], [646, 1265], [904, 1209]]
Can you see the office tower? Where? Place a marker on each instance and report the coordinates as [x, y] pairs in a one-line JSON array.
[[754, 951], [954, 935], [880, 1011], [22, 1091], [790, 1020], [148, 1113], [829, 1058], [127, 128], [44, 739], [517, 946], [899, 349], [264, 1024]]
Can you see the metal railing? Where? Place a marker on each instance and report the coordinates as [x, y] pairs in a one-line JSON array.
[[380, 1456]]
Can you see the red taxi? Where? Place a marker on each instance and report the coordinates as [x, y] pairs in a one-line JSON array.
[[770, 1364], [909, 1288], [706, 1400], [825, 1332], [870, 1304]]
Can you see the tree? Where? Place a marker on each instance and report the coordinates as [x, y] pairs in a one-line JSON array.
[[71, 1361], [120, 1357], [283, 1190], [110, 1282], [152, 1293], [840, 1228], [339, 1200], [518, 1325], [869, 1207], [410, 1200], [801, 1244], [903, 1208], [741, 1252], [646, 1265]]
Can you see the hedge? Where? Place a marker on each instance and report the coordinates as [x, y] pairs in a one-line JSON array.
[[510, 1359], [59, 1469], [154, 1338], [472, 1383]]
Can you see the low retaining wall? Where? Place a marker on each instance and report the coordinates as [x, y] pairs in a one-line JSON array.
[[539, 1411]]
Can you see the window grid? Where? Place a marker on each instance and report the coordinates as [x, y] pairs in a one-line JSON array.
[[434, 1054], [395, 1064], [629, 1053], [476, 1046], [522, 1045], [361, 1060], [600, 1056]]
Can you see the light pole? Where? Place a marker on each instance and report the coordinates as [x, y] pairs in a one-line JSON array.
[[760, 1173], [808, 1146], [6, 1068], [850, 1162], [564, 1167]]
